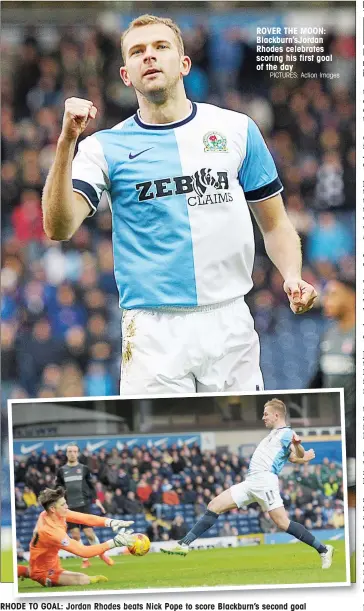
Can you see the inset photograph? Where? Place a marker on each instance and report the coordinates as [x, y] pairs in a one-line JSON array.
[[232, 491]]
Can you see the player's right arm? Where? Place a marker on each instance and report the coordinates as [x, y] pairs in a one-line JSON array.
[[307, 456], [63, 209], [88, 519]]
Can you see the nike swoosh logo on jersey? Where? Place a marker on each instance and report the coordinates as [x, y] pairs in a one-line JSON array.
[[131, 156]]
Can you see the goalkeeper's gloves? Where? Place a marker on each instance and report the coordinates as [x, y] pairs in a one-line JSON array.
[[116, 525], [124, 537]]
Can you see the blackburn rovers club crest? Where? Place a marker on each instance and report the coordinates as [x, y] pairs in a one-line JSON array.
[[215, 143]]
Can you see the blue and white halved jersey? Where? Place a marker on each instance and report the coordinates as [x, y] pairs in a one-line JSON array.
[[182, 232], [272, 453]]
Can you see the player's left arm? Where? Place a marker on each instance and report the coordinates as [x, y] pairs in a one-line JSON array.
[[296, 446], [283, 247], [291, 443], [262, 187], [294, 456]]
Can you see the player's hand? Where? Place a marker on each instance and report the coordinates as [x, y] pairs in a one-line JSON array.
[[118, 524], [301, 295], [296, 438], [77, 114], [309, 455], [100, 505], [124, 537]]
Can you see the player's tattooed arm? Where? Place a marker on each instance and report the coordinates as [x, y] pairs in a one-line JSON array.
[[307, 456], [283, 247]]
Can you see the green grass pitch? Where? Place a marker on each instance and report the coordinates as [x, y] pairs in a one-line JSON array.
[[261, 565]]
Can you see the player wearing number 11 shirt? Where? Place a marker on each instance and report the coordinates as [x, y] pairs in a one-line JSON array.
[[181, 179], [262, 486]]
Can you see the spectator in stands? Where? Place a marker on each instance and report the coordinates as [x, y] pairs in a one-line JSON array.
[[302, 496], [178, 529], [309, 512], [71, 382], [337, 519], [109, 503], [310, 478], [20, 504], [98, 381], [32, 460], [29, 497], [207, 495], [266, 524], [27, 218], [155, 531], [33, 479], [112, 476], [189, 495], [123, 480], [119, 501], [100, 494], [132, 505], [144, 490], [200, 505], [20, 471], [298, 516], [331, 486], [178, 463], [225, 530], [76, 346], [169, 496], [155, 501], [329, 240], [318, 523], [327, 511], [114, 458]]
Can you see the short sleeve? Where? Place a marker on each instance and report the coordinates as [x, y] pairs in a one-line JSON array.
[[286, 438], [258, 174], [90, 175]]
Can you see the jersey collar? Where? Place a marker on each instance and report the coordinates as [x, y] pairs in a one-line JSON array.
[[160, 126]]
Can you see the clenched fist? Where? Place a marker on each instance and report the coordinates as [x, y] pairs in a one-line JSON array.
[[77, 114], [301, 295], [309, 455]]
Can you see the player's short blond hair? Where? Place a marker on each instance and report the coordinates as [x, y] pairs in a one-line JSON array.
[[278, 406], [152, 20], [49, 497]]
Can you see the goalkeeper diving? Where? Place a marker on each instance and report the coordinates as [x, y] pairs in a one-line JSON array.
[[50, 536]]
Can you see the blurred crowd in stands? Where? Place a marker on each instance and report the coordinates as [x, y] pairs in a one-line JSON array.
[[165, 483], [60, 317]]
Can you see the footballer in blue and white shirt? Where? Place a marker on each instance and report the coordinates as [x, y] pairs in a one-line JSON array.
[[180, 179], [262, 486]]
